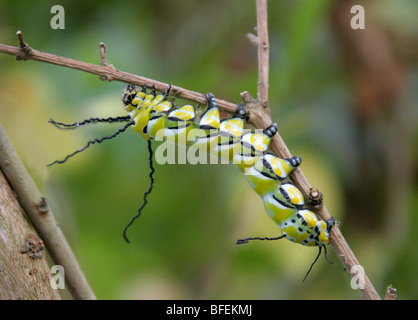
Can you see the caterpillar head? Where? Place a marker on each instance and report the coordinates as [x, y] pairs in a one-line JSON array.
[[308, 230], [330, 223], [132, 97], [325, 230], [129, 94]]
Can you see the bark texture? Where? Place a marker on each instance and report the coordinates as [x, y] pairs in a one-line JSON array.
[[24, 270]]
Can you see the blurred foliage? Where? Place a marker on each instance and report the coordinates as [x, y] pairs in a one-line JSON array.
[[183, 246]]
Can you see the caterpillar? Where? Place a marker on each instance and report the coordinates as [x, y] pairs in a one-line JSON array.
[[156, 116]]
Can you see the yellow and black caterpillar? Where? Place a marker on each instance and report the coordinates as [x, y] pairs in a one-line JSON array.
[[154, 115]]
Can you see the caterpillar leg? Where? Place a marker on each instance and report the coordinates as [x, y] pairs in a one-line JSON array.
[[74, 125], [166, 93], [246, 240], [91, 142]]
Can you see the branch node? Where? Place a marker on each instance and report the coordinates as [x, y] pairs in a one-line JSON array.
[[316, 199], [175, 91], [42, 205], [247, 97], [104, 63], [33, 246], [391, 293], [102, 49], [24, 49]]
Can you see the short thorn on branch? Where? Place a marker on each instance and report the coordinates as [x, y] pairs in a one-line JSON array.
[[316, 199], [391, 293], [104, 63], [25, 49], [253, 38]]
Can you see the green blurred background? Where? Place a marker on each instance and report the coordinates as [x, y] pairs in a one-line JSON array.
[[345, 101]]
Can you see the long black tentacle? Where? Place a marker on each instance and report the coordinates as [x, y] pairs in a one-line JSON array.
[[151, 175], [74, 125], [316, 259], [91, 142], [326, 257], [241, 241]]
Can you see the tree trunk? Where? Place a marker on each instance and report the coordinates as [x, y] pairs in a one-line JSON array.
[[24, 270]]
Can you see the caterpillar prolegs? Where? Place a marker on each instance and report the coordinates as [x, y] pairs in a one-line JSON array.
[[155, 116]]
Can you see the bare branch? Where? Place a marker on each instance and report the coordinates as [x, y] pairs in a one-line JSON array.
[[263, 52], [111, 74]]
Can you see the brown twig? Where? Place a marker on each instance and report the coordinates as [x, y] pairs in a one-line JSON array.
[[263, 52], [259, 116], [111, 74], [24, 49]]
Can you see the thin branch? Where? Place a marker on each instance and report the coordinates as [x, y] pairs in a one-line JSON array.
[[111, 74], [263, 52], [259, 116], [42, 218]]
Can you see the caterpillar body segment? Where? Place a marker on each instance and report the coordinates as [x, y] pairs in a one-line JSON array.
[[230, 133], [178, 124], [210, 118], [252, 146], [264, 175]]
